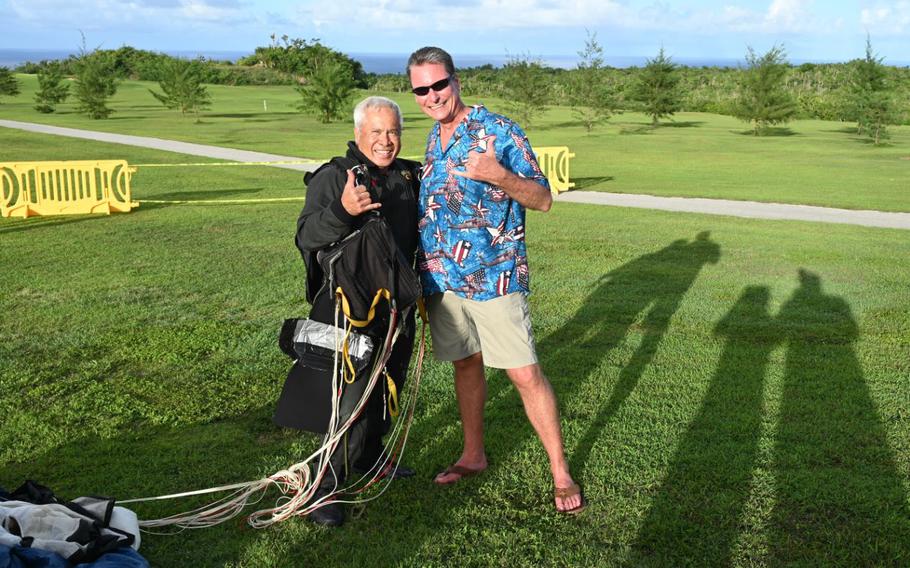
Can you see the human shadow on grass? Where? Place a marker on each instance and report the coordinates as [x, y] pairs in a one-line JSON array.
[[838, 494], [589, 182], [650, 287], [697, 513], [653, 285], [840, 497]]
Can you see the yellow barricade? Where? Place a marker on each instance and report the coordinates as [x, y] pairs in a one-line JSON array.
[[554, 161], [65, 188]]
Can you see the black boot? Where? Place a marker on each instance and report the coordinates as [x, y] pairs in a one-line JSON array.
[[330, 513]]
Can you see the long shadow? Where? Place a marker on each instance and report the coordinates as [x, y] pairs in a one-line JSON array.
[[206, 194], [695, 517], [655, 285], [587, 182], [840, 499], [17, 225]]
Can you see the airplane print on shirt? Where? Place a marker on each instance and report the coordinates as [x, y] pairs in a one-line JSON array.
[[472, 234]]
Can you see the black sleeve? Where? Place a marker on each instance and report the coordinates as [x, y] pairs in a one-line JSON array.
[[323, 220]]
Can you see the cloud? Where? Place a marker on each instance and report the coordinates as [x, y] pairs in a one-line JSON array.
[[480, 16], [101, 14], [886, 18]]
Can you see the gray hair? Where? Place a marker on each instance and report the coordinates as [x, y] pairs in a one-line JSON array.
[[375, 102], [429, 54]]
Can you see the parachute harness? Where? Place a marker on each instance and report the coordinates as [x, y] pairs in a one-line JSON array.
[[298, 483]]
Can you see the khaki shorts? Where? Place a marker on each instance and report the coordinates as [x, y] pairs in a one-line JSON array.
[[499, 328]]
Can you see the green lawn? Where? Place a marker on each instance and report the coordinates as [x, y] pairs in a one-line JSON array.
[[698, 155], [719, 407]]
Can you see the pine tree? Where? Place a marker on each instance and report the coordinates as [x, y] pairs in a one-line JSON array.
[[526, 88], [590, 97], [51, 91], [657, 88], [763, 100], [182, 87], [871, 96], [9, 85], [95, 83], [328, 89]]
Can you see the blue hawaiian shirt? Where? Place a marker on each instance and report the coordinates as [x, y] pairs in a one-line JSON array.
[[472, 238]]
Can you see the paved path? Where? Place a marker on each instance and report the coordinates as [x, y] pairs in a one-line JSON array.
[[750, 209], [216, 152]]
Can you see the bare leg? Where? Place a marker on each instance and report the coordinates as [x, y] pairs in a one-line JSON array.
[[540, 406], [471, 392]]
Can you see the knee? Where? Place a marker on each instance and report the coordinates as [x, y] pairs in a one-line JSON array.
[[530, 377], [468, 364]]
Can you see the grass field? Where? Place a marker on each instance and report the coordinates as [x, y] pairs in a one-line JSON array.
[[698, 155], [733, 391]]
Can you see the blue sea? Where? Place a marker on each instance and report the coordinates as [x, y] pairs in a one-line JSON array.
[[395, 62]]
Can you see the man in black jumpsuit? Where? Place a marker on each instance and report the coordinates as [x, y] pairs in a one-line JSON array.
[[335, 207]]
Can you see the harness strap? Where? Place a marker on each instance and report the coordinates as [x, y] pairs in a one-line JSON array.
[[394, 408], [346, 307]]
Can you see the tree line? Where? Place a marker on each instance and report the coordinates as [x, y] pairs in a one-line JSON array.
[[765, 91]]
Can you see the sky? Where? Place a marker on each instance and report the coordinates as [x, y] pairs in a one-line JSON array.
[[809, 30]]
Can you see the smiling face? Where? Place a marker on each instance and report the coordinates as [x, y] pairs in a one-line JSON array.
[[443, 105], [379, 136]]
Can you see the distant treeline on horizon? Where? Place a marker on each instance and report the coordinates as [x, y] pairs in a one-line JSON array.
[[394, 63]]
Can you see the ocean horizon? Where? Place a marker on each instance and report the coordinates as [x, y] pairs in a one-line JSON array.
[[395, 62]]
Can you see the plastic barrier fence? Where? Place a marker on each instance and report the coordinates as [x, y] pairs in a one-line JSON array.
[[554, 161], [65, 188]]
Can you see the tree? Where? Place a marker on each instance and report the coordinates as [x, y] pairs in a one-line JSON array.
[[591, 99], [9, 85], [182, 87], [327, 89], [95, 83], [526, 88], [763, 99], [657, 88], [871, 98], [300, 58], [51, 91]]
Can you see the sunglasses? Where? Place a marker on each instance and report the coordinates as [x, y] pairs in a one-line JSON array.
[[437, 86]]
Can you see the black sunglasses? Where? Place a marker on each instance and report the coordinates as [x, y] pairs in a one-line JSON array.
[[437, 86]]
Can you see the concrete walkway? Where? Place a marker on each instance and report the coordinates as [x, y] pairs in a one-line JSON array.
[[751, 209], [216, 152]]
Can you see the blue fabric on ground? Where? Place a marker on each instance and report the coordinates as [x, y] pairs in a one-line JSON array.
[[22, 557]]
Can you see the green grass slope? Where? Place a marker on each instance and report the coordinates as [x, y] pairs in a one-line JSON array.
[[732, 391]]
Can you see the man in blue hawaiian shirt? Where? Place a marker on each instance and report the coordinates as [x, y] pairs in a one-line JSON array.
[[479, 177]]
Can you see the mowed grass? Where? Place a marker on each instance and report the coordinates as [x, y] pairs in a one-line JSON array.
[[732, 391], [808, 162]]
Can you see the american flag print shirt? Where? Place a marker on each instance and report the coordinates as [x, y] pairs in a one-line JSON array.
[[472, 236]]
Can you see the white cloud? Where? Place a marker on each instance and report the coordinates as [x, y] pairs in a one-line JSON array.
[[886, 18], [100, 14], [480, 16]]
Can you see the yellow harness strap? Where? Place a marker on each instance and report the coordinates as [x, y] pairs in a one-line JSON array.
[[394, 409], [346, 307]]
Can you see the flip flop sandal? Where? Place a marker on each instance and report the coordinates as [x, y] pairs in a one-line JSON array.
[[461, 471], [566, 492]]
